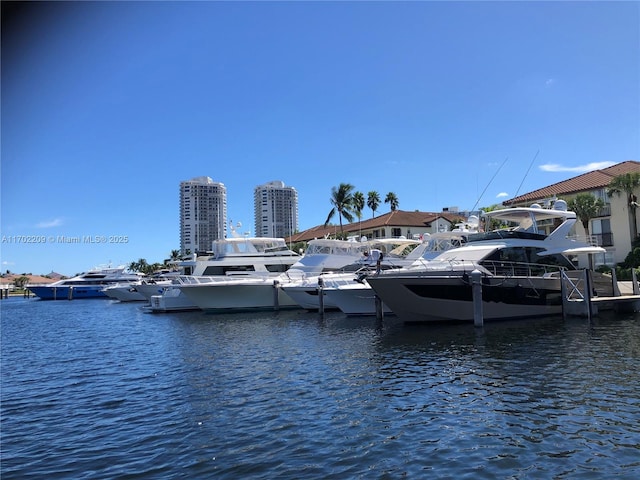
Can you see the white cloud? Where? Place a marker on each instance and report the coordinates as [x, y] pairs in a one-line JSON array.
[[502, 195], [554, 167], [56, 222], [550, 82]]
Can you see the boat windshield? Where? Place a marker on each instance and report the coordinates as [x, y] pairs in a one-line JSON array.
[[243, 246]]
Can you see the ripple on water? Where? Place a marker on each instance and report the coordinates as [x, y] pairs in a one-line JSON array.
[[101, 390]]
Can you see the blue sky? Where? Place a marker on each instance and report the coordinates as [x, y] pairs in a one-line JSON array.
[[108, 106]]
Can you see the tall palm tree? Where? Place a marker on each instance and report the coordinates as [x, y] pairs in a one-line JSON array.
[[392, 200], [358, 206], [373, 202], [342, 201], [627, 183]]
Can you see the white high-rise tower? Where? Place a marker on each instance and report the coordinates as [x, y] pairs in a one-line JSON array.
[[203, 214], [275, 210]]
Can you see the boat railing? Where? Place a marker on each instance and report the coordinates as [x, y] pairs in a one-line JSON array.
[[520, 269], [215, 279]]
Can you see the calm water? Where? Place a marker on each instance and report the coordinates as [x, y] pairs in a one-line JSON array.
[[96, 389]]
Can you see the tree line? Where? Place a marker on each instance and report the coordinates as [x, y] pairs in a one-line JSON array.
[[347, 202]]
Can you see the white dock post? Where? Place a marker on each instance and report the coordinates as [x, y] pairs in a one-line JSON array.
[[276, 302], [55, 293], [70, 294], [636, 288], [476, 290], [321, 295]]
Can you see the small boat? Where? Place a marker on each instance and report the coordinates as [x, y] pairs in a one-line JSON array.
[[520, 262], [89, 284]]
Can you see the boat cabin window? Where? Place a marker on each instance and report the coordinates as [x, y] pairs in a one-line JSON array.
[[528, 255], [222, 270], [278, 267]]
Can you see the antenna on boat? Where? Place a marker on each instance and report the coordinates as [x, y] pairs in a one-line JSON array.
[[485, 188], [526, 173]]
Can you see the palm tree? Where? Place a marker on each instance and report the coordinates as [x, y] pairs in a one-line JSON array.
[[586, 206], [358, 205], [627, 183], [392, 200], [139, 266], [134, 267], [342, 201], [373, 202]]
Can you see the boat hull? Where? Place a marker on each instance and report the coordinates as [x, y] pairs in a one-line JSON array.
[[238, 296], [147, 290], [171, 300], [124, 294], [68, 292], [354, 300], [307, 297], [450, 298]]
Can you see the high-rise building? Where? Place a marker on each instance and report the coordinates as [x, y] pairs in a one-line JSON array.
[[275, 210], [203, 214]]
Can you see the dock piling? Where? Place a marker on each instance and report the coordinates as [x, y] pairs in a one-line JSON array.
[[476, 290], [276, 300], [321, 295]]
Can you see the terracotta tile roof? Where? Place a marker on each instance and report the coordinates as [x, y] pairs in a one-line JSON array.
[[397, 218], [587, 181]]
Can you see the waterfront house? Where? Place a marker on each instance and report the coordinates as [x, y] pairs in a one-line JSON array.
[[394, 224], [613, 226]]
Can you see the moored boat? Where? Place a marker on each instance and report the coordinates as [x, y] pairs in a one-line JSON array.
[[256, 291], [89, 284], [520, 264], [230, 258]]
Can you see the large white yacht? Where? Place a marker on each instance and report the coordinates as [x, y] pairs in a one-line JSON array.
[[520, 266], [230, 258], [89, 284], [265, 292]]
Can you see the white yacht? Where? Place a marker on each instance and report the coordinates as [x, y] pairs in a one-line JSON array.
[[380, 253], [520, 266], [89, 284], [352, 294], [230, 258], [124, 292], [133, 291], [265, 292]]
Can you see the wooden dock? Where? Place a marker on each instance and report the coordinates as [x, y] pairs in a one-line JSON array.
[[579, 298]]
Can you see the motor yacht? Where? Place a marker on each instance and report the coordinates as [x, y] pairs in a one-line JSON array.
[[88, 284], [230, 258], [265, 291], [520, 253]]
